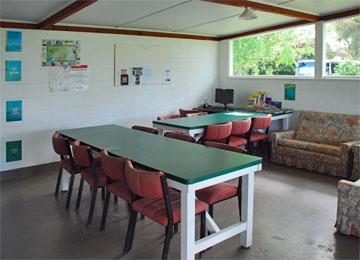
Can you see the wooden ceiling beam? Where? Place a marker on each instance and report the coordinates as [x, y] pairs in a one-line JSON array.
[[64, 13], [268, 8]]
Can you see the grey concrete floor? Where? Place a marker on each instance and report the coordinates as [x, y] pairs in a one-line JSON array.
[[294, 218]]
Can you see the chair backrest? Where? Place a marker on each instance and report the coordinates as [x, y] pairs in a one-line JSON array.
[[82, 154], [196, 114], [218, 132], [241, 127], [145, 129], [145, 184], [61, 145], [113, 166], [262, 122], [184, 112], [225, 147], [168, 117], [182, 137]]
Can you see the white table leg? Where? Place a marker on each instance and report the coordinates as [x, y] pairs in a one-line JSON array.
[[285, 123], [247, 208], [187, 224], [65, 180], [161, 131]]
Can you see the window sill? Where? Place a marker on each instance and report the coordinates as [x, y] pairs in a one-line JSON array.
[[272, 77]]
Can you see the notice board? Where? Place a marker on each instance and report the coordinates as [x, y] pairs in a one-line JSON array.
[[142, 64]]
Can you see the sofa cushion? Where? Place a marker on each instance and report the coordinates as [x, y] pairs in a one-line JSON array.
[[309, 146], [327, 128]]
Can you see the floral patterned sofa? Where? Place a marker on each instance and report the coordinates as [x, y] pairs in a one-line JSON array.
[[355, 175], [320, 143], [348, 209]]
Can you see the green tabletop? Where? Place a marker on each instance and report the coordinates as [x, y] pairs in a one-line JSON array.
[[203, 121], [182, 161]]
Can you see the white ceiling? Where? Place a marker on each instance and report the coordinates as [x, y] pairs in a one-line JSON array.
[[183, 16]]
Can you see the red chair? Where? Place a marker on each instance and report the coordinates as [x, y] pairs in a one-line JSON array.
[[91, 172], [222, 191], [196, 114], [184, 112], [217, 133], [61, 146], [259, 131], [114, 169], [145, 129], [168, 117], [182, 137], [155, 200], [239, 131]]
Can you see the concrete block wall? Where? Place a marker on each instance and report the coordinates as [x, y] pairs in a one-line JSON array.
[[194, 74]]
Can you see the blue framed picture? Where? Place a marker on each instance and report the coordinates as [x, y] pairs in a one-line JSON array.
[[13, 110], [13, 70], [13, 151], [290, 92], [13, 41]]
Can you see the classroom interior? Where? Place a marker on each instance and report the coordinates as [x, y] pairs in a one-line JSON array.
[[180, 129]]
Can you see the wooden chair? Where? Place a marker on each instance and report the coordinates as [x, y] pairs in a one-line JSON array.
[[114, 169], [145, 129], [61, 146], [239, 132], [179, 136], [153, 198], [168, 117], [91, 172], [259, 131], [217, 133]]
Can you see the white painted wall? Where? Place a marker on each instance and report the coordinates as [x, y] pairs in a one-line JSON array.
[[326, 95], [194, 72]]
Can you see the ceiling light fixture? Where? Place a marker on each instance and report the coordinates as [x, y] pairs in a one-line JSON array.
[[247, 15]]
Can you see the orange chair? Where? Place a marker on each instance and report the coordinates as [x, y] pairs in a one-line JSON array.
[[168, 117], [145, 129], [155, 200], [217, 133], [238, 133], [184, 112], [182, 137], [222, 191], [196, 114], [91, 172], [61, 146], [114, 169], [259, 131]]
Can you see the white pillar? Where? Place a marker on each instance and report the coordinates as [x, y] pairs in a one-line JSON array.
[[320, 54]]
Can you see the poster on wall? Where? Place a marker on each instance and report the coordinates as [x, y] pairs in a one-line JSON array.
[[69, 78], [12, 70], [13, 110], [60, 53], [13, 151], [13, 41], [167, 77], [289, 92], [137, 76]]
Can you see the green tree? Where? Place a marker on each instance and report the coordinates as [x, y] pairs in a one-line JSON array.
[[348, 30]]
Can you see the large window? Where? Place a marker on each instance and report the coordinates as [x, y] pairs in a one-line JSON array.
[[285, 52], [342, 40]]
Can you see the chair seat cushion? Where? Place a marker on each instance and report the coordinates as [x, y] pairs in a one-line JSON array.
[[309, 146], [237, 141], [67, 165], [156, 210], [86, 174], [258, 137], [217, 193], [120, 189]]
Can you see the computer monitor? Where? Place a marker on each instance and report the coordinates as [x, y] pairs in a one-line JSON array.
[[224, 96]]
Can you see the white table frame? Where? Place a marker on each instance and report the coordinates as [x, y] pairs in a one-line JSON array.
[[197, 132], [190, 246]]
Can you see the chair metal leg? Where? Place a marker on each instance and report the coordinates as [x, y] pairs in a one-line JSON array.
[[78, 200], [105, 211], [115, 200], [168, 237], [202, 224], [239, 195], [176, 228], [71, 184], [211, 210], [130, 231], [58, 182], [92, 205], [103, 193]]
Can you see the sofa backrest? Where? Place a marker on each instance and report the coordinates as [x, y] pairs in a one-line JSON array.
[[327, 128]]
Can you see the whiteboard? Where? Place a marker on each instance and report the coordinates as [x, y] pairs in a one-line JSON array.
[[153, 62]]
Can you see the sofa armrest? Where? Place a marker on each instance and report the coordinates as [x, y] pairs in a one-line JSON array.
[[281, 135], [346, 156]]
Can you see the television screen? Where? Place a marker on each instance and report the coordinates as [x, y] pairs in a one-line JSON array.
[[224, 96]]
